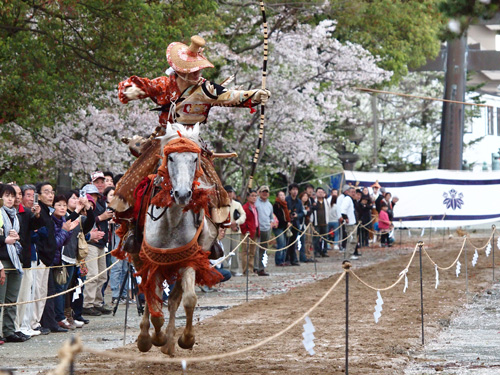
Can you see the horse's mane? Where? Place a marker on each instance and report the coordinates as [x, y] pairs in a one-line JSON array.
[[173, 130]]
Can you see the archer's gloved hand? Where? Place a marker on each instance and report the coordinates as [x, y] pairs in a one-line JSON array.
[[262, 96], [133, 92]]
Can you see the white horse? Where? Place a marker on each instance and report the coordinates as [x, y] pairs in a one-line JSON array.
[[172, 228]]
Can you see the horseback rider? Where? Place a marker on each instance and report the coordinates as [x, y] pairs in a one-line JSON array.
[[185, 97]]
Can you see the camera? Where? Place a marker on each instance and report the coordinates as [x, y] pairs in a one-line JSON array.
[[35, 198], [83, 194]]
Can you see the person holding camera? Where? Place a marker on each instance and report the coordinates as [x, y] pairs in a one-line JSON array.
[[93, 299], [296, 215], [30, 220]]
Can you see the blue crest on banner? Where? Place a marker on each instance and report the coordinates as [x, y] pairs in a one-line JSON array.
[[452, 200]]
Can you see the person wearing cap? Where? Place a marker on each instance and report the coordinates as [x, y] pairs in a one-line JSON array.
[[320, 221], [266, 216], [232, 235], [93, 300], [99, 181]]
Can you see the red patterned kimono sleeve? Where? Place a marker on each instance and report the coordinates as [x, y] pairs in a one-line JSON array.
[[157, 89]]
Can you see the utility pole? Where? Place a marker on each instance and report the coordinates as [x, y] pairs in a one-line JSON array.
[[452, 126]]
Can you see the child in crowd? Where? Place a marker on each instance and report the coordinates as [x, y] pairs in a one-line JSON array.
[[384, 225]]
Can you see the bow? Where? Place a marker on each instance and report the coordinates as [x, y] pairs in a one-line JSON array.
[[262, 106]]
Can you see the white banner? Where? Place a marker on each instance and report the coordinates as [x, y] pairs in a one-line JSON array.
[[438, 198]]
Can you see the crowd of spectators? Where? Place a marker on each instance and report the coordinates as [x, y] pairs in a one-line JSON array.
[[41, 234], [356, 218]]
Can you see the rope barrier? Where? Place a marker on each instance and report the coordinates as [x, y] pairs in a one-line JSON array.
[[421, 97], [318, 235], [231, 253], [59, 266], [278, 236], [69, 350], [483, 247], [222, 355], [276, 250], [451, 265], [401, 275], [340, 241], [61, 293]]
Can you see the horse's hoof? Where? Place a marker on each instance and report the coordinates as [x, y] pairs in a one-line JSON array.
[[168, 350], [159, 339], [144, 343], [186, 343]]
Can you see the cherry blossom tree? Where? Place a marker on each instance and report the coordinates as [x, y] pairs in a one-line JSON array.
[[311, 77], [85, 141]]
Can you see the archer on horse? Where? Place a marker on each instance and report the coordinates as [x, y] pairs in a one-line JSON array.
[[184, 97]]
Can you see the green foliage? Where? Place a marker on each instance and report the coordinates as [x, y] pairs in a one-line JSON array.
[[403, 33], [57, 56]]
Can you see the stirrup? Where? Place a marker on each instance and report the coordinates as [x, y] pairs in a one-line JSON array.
[[130, 243]]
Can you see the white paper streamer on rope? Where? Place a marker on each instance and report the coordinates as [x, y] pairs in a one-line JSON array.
[[299, 243], [457, 271], [405, 271], [378, 307], [78, 290], [308, 335], [166, 288], [488, 250], [409, 233], [437, 277], [435, 229], [475, 258], [423, 232], [184, 365], [265, 258], [498, 243]]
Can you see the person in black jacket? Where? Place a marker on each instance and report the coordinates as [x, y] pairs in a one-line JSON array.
[[280, 210], [46, 247], [365, 216], [93, 301], [296, 215], [30, 220], [78, 207]]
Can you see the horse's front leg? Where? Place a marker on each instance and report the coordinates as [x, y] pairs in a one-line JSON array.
[[159, 338], [144, 340], [174, 299], [186, 340]]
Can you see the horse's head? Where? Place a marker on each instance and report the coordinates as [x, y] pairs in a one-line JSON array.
[[182, 152]]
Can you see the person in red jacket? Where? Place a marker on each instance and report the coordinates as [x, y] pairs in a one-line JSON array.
[[384, 225], [250, 226]]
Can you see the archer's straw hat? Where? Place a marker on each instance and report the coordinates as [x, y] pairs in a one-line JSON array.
[[184, 59]]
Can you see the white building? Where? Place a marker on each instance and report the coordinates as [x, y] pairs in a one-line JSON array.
[[486, 38]]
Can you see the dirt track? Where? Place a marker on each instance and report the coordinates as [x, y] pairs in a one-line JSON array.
[[383, 348]]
